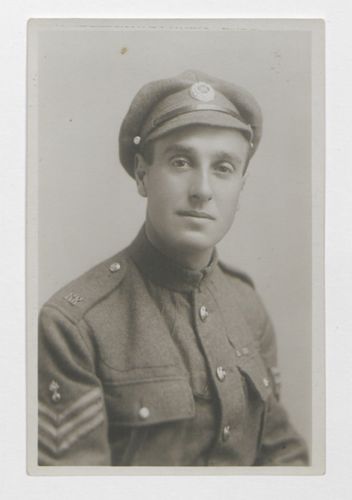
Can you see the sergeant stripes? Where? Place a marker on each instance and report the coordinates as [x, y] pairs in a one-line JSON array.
[[58, 432]]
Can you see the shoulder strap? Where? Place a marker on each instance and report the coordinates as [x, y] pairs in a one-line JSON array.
[[237, 274]]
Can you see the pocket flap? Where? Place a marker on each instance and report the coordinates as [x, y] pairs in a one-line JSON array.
[[147, 402], [255, 372]]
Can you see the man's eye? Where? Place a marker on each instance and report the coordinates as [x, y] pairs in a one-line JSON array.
[[180, 162], [224, 168]]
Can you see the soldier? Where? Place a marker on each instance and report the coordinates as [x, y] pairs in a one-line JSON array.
[[163, 355]]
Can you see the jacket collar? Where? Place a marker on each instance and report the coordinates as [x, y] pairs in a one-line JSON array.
[[164, 271]]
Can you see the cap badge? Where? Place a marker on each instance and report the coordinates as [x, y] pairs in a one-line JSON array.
[[202, 92]]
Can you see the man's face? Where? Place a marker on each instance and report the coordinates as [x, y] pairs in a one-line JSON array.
[[192, 187]]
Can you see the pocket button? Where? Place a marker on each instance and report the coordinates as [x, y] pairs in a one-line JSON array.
[[144, 413]]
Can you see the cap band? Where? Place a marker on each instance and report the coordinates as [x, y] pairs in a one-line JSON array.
[[190, 108], [187, 109]]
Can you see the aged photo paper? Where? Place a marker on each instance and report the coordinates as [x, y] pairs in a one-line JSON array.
[[83, 209]]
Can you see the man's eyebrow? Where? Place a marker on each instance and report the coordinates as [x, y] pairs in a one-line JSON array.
[[180, 149], [226, 156], [218, 155]]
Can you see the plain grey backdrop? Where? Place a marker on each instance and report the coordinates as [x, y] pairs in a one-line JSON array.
[[89, 207]]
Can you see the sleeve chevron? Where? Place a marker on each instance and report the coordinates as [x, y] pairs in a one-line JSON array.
[[59, 431]]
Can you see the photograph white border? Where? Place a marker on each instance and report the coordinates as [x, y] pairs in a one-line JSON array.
[[336, 483]]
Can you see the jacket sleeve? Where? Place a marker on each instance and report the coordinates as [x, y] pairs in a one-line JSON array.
[[280, 443], [72, 424]]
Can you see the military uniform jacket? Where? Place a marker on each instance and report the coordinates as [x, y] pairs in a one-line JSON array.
[[142, 362]]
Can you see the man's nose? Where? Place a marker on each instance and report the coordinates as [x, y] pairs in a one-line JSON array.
[[200, 188]]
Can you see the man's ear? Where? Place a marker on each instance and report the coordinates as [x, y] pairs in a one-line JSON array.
[[140, 174]]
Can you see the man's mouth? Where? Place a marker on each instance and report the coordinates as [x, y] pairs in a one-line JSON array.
[[195, 213]]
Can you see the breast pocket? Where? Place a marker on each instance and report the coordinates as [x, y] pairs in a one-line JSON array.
[[247, 358], [257, 390], [140, 403], [137, 409]]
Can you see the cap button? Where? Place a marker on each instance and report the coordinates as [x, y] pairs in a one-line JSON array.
[[115, 266]]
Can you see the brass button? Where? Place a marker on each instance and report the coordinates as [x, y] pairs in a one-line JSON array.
[[203, 313], [266, 382], [221, 373], [115, 266], [238, 353], [226, 432], [144, 413]]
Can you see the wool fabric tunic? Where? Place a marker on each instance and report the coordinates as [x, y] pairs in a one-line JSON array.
[[143, 362]]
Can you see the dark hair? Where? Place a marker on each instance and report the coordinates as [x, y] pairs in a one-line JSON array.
[[147, 151]]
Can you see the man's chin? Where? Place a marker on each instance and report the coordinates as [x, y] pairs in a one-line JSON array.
[[183, 240], [195, 241]]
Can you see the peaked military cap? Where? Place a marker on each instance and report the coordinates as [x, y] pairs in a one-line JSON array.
[[190, 98]]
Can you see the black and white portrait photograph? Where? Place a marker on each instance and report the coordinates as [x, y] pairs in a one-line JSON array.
[[174, 255]]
